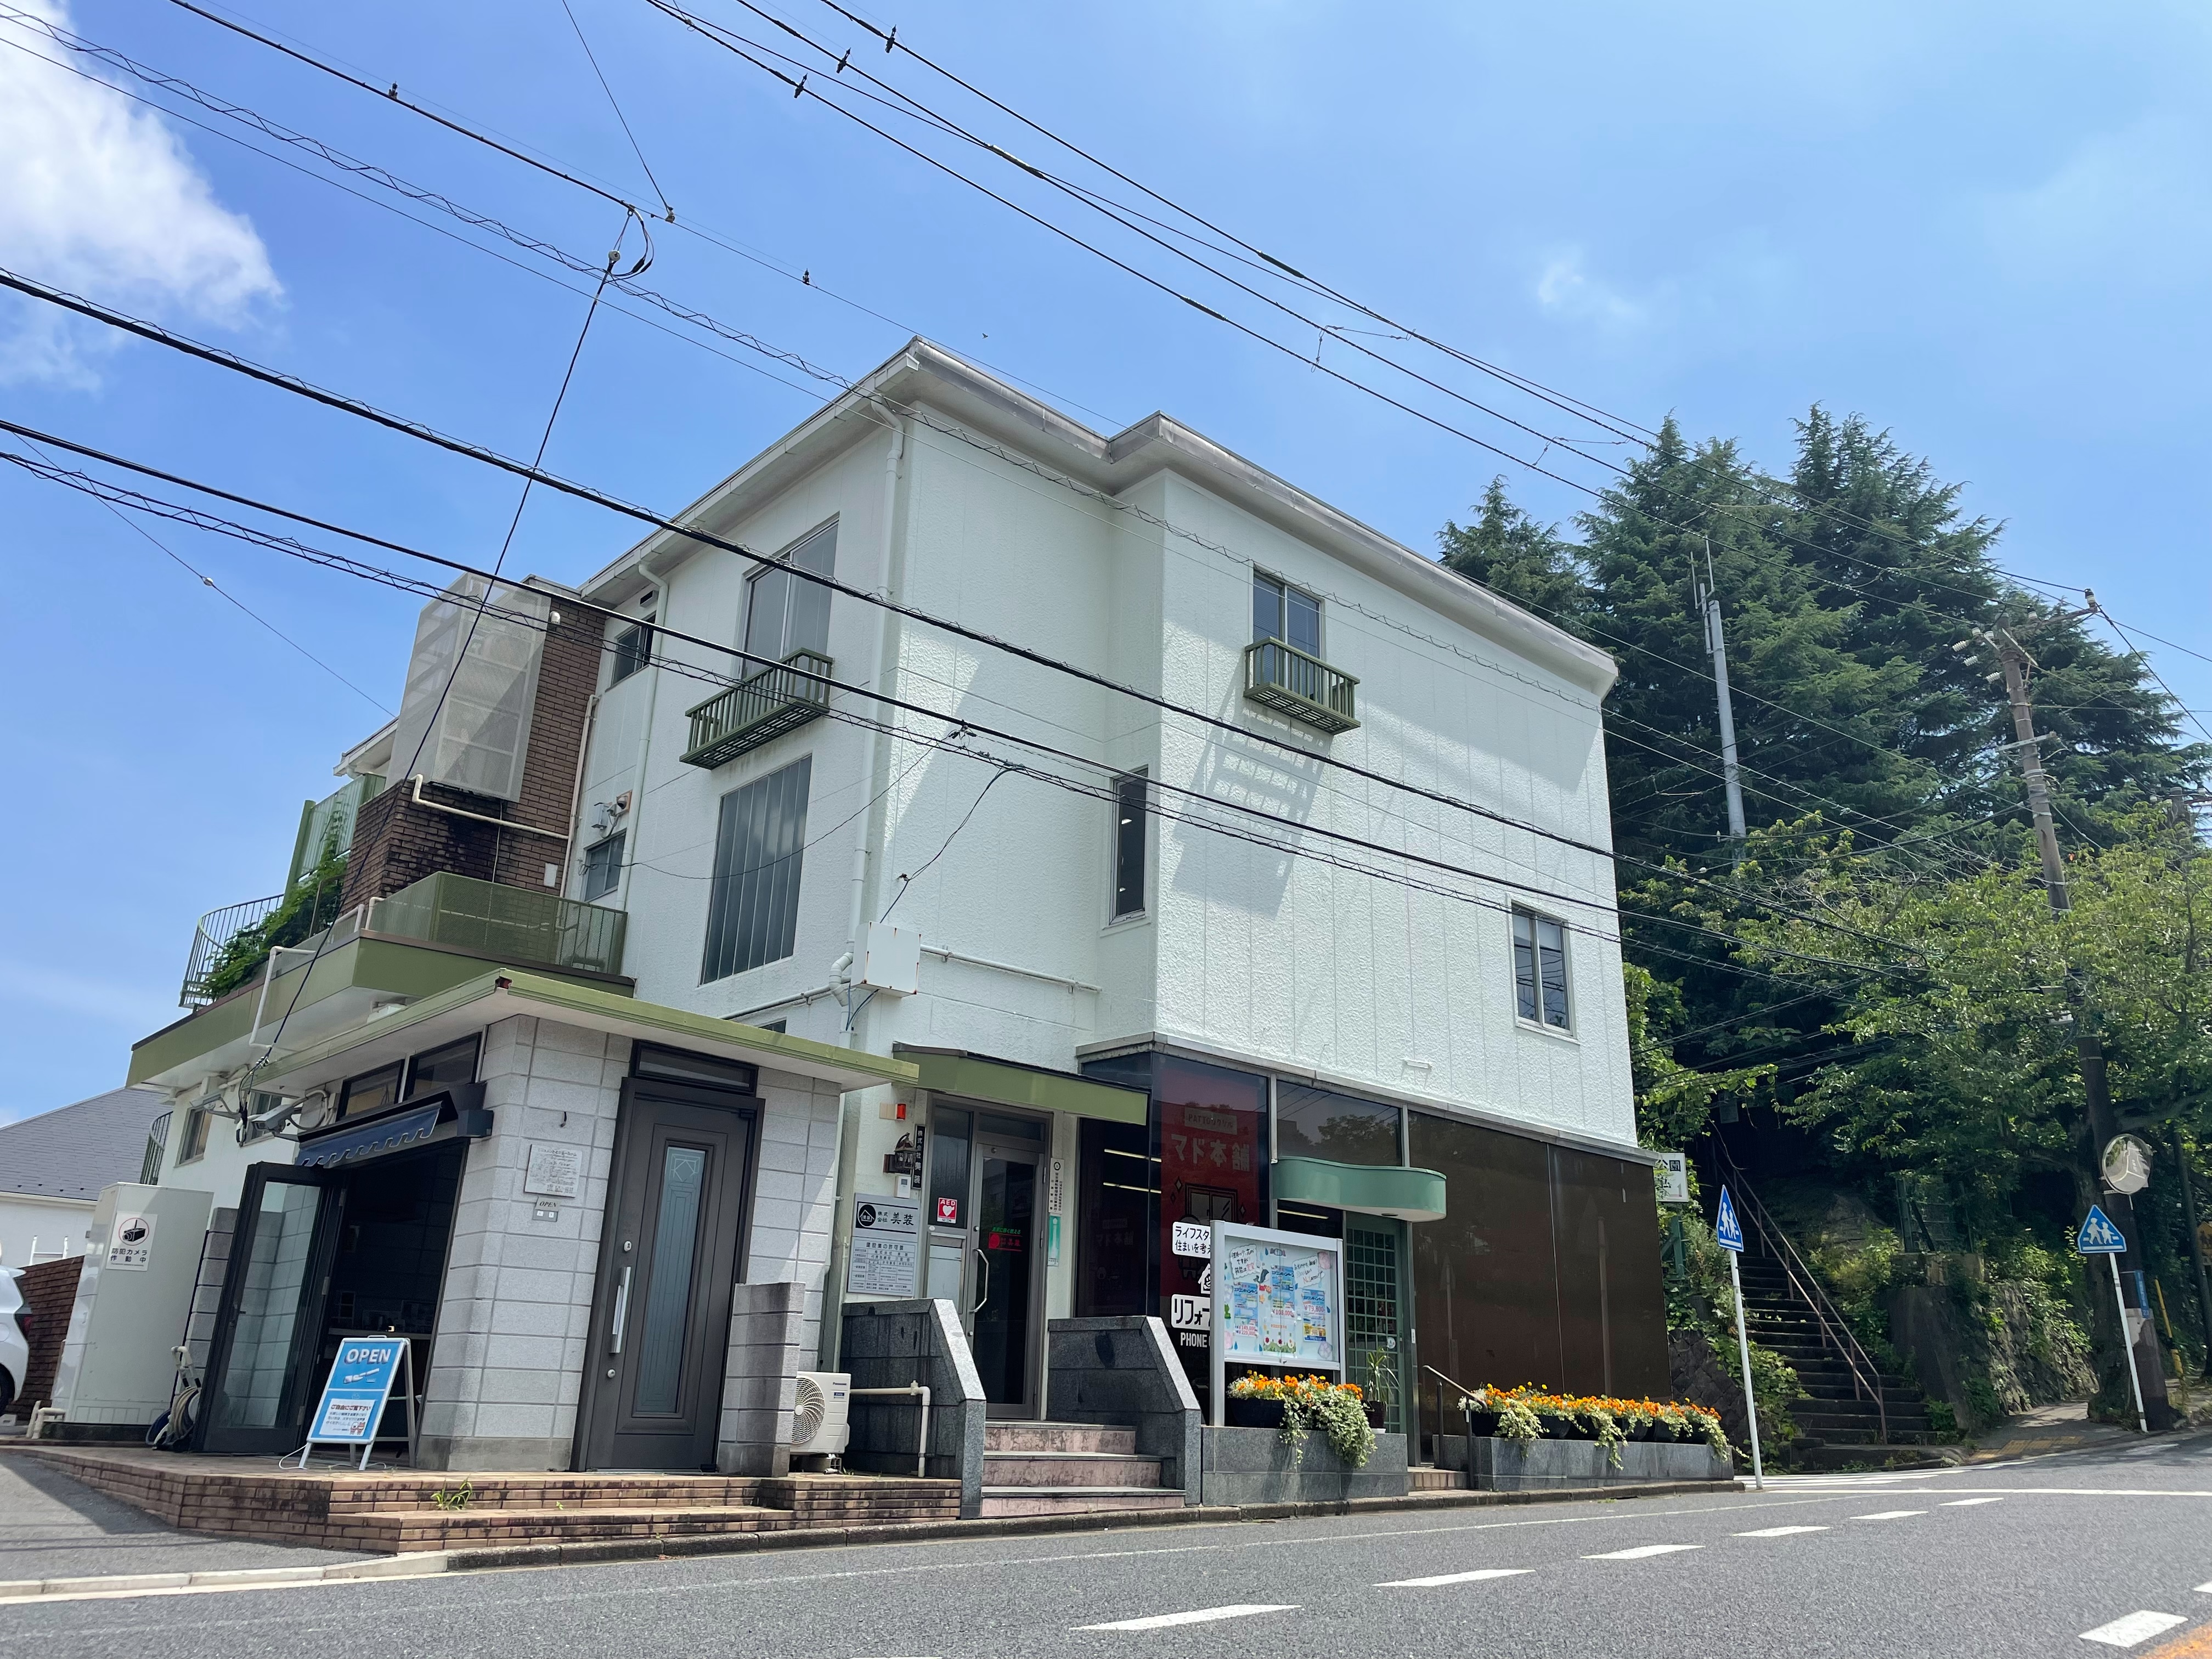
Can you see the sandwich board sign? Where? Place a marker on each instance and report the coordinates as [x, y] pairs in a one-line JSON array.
[[2098, 1236], [364, 1377], [1728, 1231]]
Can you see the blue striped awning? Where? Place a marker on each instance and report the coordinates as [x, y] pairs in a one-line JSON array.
[[386, 1134]]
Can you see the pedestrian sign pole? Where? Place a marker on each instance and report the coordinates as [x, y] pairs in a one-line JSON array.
[[1727, 1232], [2099, 1236]]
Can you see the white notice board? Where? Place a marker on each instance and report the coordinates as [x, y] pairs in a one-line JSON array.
[[1278, 1301], [886, 1259]]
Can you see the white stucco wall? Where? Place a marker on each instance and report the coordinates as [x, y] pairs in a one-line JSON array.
[[1241, 950]]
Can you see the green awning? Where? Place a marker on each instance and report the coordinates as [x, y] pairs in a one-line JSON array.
[[1370, 1188], [949, 1072]]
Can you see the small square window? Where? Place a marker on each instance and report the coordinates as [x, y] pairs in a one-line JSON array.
[[441, 1068], [197, 1121], [633, 650], [1539, 969], [603, 865], [372, 1092]]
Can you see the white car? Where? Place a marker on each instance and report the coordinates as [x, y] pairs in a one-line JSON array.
[[15, 1347]]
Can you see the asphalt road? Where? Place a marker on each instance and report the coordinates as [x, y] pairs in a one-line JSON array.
[[2022, 1560]]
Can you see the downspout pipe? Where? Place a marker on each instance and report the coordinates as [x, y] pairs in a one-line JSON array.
[[831, 1341]]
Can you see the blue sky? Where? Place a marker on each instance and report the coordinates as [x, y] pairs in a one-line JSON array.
[[1986, 228]]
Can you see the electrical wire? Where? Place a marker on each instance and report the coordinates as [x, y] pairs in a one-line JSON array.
[[305, 389], [615, 104], [346, 565]]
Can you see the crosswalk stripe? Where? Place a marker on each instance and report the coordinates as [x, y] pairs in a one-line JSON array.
[[2134, 1628], [1454, 1578], [1196, 1616]]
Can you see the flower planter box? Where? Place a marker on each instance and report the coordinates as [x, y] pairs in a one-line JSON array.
[[1513, 1465], [1253, 1465], [1253, 1413]]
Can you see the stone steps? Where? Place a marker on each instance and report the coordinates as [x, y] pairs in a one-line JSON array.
[[1069, 1468]]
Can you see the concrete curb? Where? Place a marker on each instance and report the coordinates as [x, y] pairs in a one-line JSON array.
[[412, 1565], [921, 1532]]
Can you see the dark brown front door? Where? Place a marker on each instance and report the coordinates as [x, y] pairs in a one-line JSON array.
[[672, 1250]]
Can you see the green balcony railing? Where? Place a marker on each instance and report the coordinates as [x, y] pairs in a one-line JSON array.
[[752, 711], [509, 924], [1288, 681]]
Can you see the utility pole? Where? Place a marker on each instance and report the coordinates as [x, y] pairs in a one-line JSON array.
[[1709, 606], [2016, 662]]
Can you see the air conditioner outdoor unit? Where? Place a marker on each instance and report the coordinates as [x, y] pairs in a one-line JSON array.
[[819, 1423]]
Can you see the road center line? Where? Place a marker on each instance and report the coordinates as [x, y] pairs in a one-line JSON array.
[[1454, 1578], [1642, 1552], [2136, 1628], [1888, 1515], [1780, 1532], [1966, 1502], [1202, 1616]]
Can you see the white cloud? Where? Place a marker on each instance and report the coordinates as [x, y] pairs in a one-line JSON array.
[[2132, 205], [1566, 290], [97, 196]]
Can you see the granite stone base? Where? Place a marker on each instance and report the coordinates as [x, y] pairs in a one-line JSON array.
[[1513, 1465], [1254, 1465]]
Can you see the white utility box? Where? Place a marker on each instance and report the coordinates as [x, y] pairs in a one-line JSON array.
[[134, 1295], [890, 960]]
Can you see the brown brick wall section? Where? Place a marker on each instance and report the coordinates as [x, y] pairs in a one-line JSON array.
[[49, 1292], [392, 1512], [395, 843]]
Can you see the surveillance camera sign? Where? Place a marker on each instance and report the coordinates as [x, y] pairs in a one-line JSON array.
[[130, 1242]]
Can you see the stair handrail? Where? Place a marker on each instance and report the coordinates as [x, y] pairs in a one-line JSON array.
[[1835, 1330]]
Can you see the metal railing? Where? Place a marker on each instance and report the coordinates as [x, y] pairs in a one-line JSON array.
[[509, 924], [1296, 682], [157, 1141], [1835, 1330], [215, 930], [751, 713]]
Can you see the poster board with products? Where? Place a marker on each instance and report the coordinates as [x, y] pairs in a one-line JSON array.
[[1278, 1301]]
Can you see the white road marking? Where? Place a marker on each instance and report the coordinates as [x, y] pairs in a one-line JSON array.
[[1642, 1552], [1888, 1515], [1201, 1616], [1778, 1532], [2135, 1627], [2140, 1451], [1454, 1578], [2204, 1590], [1966, 1502]]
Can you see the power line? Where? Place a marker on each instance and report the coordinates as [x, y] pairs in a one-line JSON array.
[[228, 598], [615, 104], [1745, 477], [347, 566], [305, 389]]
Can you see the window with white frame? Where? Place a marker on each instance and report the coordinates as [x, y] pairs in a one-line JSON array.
[[603, 864], [784, 611], [1280, 611], [1539, 969], [752, 907]]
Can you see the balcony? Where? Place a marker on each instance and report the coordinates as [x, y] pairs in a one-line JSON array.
[[515, 925], [754, 711], [1287, 680], [215, 930]]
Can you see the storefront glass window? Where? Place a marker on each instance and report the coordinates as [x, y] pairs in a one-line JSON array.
[[1313, 1122], [1210, 1138], [948, 1140]]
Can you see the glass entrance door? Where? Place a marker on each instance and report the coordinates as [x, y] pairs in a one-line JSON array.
[[269, 1327], [1003, 1322]]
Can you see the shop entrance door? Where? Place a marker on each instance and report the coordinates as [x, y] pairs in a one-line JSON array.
[[260, 1377], [986, 1240], [1378, 1323], [670, 1251]]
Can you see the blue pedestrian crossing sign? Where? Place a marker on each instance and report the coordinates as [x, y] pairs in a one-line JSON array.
[[2098, 1236], [1728, 1231]]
